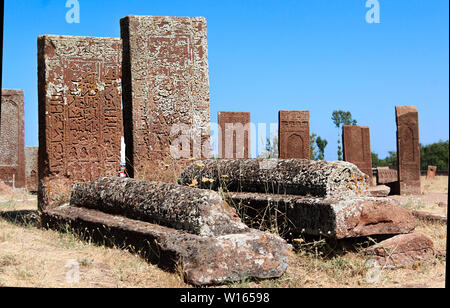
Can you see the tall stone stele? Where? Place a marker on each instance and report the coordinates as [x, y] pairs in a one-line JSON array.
[[408, 149], [293, 134], [12, 136], [80, 116], [165, 92], [356, 141]]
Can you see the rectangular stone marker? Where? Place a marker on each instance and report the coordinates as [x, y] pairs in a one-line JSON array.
[[80, 116], [234, 135], [166, 91], [431, 172], [386, 175], [12, 138], [356, 141], [408, 149], [293, 134], [31, 168]]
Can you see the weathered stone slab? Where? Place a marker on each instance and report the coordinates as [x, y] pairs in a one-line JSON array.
[[339, 180], [379, 191], [293, 134], [198, 241], [422, 215], [402, 250], [331, 218], [12, 138], [31, 168], [431, 172], [166, 92], [408, 149], [194, 210], [234, 135], [356, 145], [386, 175], [80, 116]]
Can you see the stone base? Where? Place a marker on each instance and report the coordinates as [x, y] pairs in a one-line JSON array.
[[336, 219], [380, 191], [204, 260]]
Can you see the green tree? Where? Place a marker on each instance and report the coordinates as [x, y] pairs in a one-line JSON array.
[[341, 118], [435, 154], [389, 160], [321, 144]]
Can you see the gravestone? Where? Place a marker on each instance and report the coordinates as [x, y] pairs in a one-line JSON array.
[[293, 134], [408, 149], [356, 141], [31, 168], [431, 172], [80, 116], [12, 147], [166, 92], [234, 136]]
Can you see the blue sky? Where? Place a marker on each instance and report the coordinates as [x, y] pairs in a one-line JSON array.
[[267, 55]]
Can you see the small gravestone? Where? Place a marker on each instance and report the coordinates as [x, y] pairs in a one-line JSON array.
[[12, 147], [431, 172], [31, 168], [356, 141], [234, 137], [293, 134]]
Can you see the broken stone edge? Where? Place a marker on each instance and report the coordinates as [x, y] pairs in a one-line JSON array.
[[204, 260]]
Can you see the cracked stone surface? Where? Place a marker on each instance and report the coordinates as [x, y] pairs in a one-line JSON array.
[[339, 180], [205, 260], [329, 217]]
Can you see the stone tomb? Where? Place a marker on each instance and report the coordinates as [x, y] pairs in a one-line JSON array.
[[293, 134], [165, 91], [234, 136], [356, 141], [31, 168], [12, 135], [80, 116], [408, 149], [211, 246], [431, 172], [306, 197]]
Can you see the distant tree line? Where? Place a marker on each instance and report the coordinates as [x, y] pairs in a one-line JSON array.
[[435, 154]]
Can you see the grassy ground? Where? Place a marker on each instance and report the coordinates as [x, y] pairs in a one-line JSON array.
[[34, 257]]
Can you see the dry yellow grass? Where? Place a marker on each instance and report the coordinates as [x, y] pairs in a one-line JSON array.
[[34, 257]]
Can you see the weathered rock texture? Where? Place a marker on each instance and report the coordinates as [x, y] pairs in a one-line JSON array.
[[293, 134], [12, 146], [379, 191], [408, 149], [339, 180], [31, 168], [194, 210], [166, 86], [356, 142], [234, 135], [80, 116], [195, 229], [328, 217], [431, 172], [388, 177], [402, 250]]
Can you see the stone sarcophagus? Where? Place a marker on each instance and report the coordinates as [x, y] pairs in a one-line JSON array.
[[318, 198], [80, 115]]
